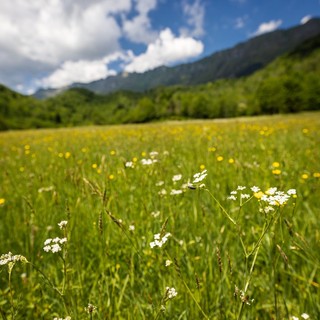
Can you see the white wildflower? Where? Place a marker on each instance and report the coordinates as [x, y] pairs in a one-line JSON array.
[[175, 192], [168, 263], [155, 214], [198, 177], [131, 227], [171, 293], [158, 241], [62, 224], [54, 245], [176, 177], [160, 183], [295, 318], [129, 164], [305, 316], [241, 188], [162, 192], [271, 191], [245, 196], [232, 197], [255, 189], [234, 192], [147, 162], [153, 154], [292, 192], [9, 257]]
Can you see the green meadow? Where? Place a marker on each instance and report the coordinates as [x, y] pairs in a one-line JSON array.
[[174, 220]]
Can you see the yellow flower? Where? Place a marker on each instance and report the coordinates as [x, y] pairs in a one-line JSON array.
[[202, 167], [258, 195], [112, 152], [2, 201], [212, 149], [67, 155], [143, 154], [111, 177], [94, 166], [276, 171], [21, 169], [219, 158], [276, 164], [231, 160], [305, 130], [134, 159], [316, 175], [305, 176]]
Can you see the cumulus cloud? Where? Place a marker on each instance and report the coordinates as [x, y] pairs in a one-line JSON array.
[[82, 71], [267, 27], [139, 28], [38, 36], [166, 50], [195, 18], [305, 19]]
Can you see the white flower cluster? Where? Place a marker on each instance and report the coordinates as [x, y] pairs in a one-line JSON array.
[[198, 177], [175, 192], [67, 318], [9, 257], [159, 241], [233, 194], [177, 177], [171, 293], [53, 245], [129, 164], [148, 162], [277, 198], [62, 224]]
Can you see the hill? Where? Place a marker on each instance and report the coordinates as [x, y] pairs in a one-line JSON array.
[[291, 83], [241, 60]]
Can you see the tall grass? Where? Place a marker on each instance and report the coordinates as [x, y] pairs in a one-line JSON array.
[[223, 258]]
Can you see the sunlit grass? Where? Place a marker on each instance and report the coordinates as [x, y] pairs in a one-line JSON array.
[[119, 186]]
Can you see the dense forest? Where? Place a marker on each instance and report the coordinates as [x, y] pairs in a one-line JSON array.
[[291, 83]]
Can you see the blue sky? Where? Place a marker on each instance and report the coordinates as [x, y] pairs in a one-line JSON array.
[[53, 43]]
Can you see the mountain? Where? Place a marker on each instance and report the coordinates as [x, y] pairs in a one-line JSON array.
[[290, 83], [241, 60]]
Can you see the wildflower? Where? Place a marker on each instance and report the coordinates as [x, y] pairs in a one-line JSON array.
[[271, 191], [67, 155], [168, 263], [232, 197], [202, 167], [305, 316], [171, 293], [295, 318], [2, 201], [259, 194], [266, 209], [90, 308], [234, 192], [155, 214], [62, 224], [111, 177], [9, 258], [276, 164], [255, 189], [159, 241], [94, 166], [67, 318], [241, 188], [245, 196], [112, 152], [292, 192], [53, 245], [175, 192], [160, 183], [131, 227], [153, 154], [129, 164], [276, 171], [231, 160], [305, 176], [198, 177], [219, 158], [316, 175], [147, 162], [176, 177]]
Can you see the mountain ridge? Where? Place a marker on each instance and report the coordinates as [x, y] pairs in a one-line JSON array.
[[241, 60]]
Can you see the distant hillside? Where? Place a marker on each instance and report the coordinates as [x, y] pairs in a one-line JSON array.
[[241, 60], [290, 83]]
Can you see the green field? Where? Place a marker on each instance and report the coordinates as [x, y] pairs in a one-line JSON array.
[[118, 186]]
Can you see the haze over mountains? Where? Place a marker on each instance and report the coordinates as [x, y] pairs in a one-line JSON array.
[[241, 60]]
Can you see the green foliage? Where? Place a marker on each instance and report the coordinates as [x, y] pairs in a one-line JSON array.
[[289, 84], [95, 179]]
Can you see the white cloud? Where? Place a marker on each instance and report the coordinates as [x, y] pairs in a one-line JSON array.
[[305, 19], [81, 71], [139, 28], [195, 18], [36, 37], [240, 22], [267, 27], [166, 50]]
